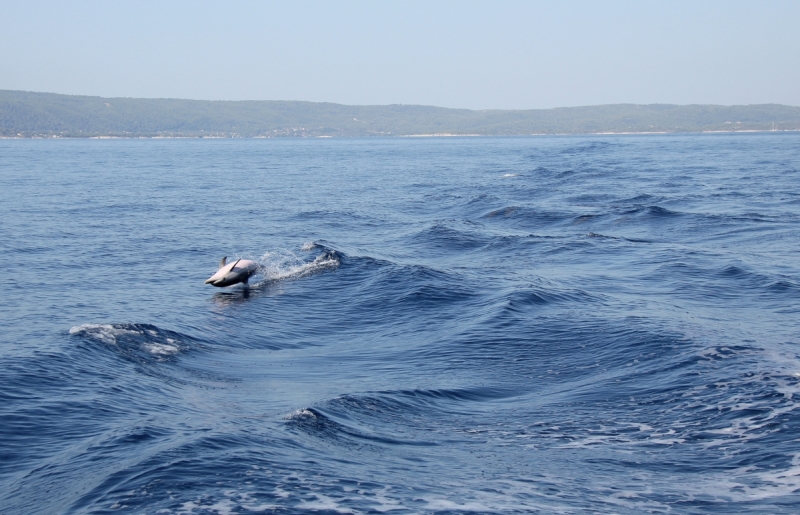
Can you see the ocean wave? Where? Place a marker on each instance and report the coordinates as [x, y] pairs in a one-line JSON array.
[[522, 216], [315, 423], [283, 264], [140, 342], [613, 330], [448, 235], [651, 211]]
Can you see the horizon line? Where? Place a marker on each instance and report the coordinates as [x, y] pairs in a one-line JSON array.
[[395, 104]]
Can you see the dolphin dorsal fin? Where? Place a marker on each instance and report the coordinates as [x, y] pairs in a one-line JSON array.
[[224, 260]]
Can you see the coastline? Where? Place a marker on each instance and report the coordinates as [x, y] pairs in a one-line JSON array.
[[432, 135]]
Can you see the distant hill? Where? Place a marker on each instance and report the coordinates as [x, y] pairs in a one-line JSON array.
[[26, 114]]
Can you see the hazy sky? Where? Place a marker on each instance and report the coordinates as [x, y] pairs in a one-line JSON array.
[[478, 55]]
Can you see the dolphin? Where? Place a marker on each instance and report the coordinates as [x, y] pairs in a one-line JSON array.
[[232, 273]]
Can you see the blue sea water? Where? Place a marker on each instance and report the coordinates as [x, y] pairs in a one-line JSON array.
[[604, 324]]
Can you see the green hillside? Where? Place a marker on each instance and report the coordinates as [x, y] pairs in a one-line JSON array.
[[26, 114]]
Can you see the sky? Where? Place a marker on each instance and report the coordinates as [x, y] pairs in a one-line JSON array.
[[464, 54]]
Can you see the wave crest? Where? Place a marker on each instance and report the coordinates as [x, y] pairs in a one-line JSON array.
[[282, 264], [140, 342]]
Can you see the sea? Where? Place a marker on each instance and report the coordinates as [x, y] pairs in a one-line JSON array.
[[546, 324]]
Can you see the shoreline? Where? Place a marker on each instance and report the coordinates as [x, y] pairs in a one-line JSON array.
[[435, 135]]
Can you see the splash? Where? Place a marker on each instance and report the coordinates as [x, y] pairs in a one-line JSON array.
[[141, 341], [282, 264]]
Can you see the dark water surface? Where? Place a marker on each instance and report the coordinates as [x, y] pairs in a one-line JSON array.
[[561, 324]]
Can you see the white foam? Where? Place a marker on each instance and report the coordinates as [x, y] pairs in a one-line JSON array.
[[446, 504], [323, 502], [283, 264], [260, 507], [222, 507], [109, 335], [160, 349], [384, 502], [300, 414], [543, 492], [187, 508], [106, 333]]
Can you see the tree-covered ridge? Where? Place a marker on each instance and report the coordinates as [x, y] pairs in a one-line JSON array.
[[30, 114]]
